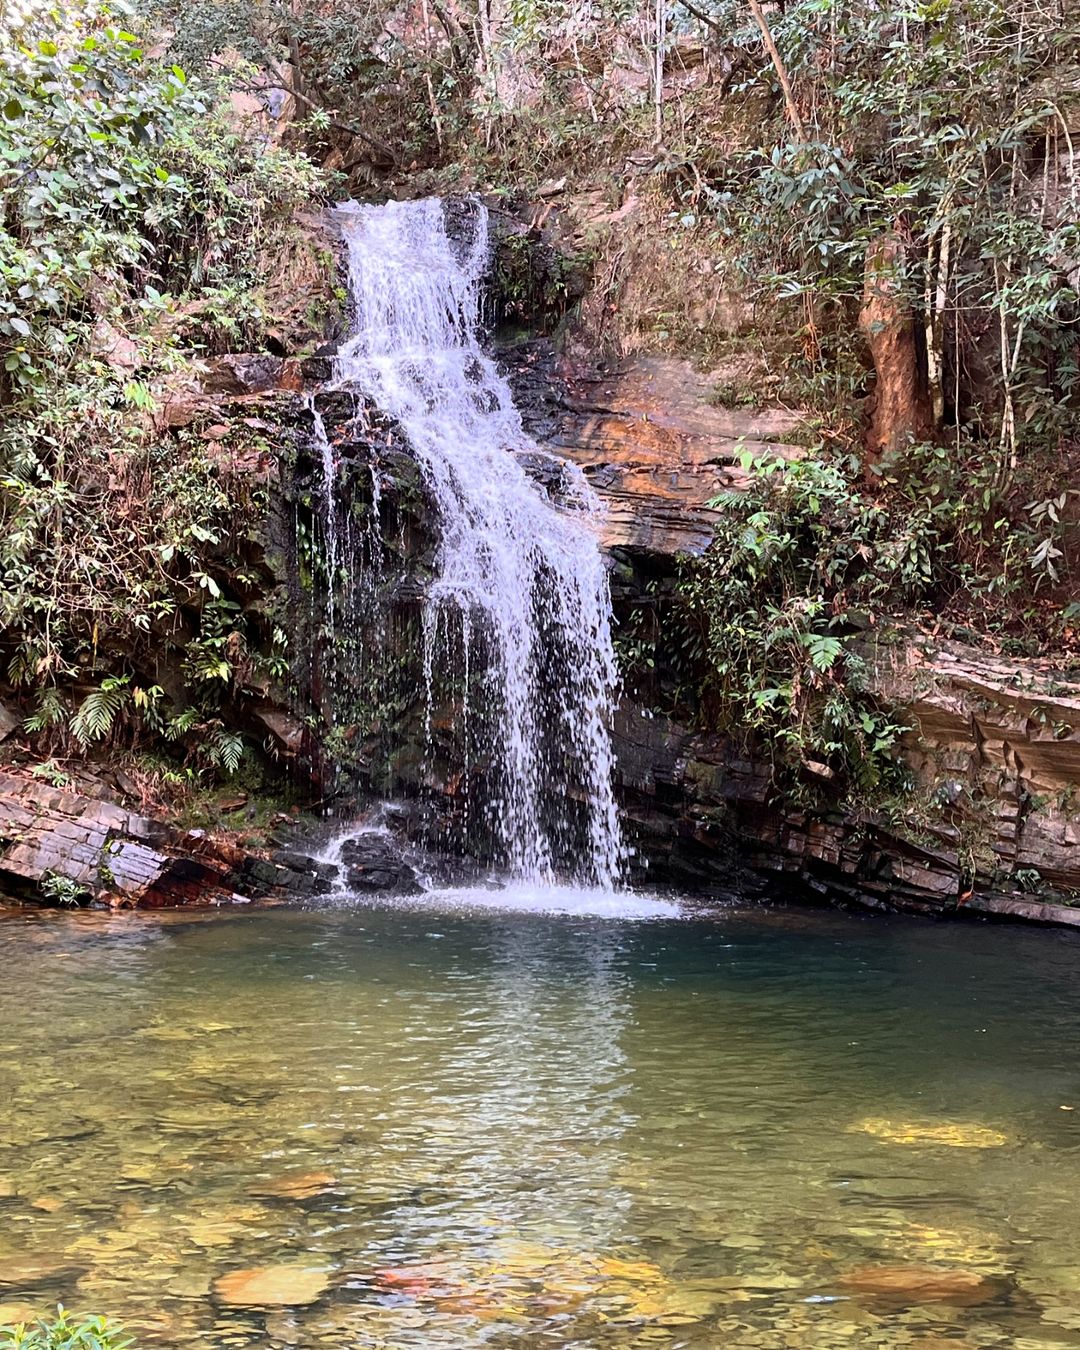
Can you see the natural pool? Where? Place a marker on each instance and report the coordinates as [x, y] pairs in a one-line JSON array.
[[451, 1129]]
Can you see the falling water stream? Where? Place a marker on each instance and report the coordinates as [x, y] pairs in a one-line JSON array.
[[519, 601]]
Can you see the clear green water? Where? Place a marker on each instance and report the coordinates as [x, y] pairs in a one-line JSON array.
[[543, 1131]]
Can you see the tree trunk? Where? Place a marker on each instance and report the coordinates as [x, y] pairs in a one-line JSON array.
[[898, 408]]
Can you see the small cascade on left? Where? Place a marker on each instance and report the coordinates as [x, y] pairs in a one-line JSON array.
[[344, 564]]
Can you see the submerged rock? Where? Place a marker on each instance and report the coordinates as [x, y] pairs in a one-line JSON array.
[[296, 1186], [272, 1286], [921, 1284], [27, 1271], [11, 1314], [953, 1134]]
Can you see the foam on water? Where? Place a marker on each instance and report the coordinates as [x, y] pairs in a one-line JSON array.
[[522, 898]]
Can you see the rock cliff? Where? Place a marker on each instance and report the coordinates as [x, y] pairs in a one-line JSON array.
[[993, 746], [992, 820]]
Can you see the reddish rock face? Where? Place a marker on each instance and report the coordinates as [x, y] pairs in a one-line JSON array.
[[657, 450]]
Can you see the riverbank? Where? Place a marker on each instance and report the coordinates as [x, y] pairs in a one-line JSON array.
[[66, 848]]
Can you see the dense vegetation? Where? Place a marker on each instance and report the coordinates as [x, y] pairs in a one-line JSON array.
[[891, 191], [142, 230], [916, 213]]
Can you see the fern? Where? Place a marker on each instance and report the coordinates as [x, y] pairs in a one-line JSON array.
[[23, 666], [98, 711], [226, 750], [50, 711], [178, 727]]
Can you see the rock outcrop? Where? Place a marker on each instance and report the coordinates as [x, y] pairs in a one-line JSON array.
[[650, 439], [64, 845], [990, 818], [994, 745]]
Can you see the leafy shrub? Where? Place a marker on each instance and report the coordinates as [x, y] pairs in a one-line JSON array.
[[62, 1333], [938, 126], [771, 615], [63, 890], [140, 230]]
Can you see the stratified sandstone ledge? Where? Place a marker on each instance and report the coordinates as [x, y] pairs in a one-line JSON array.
[[116, 856], [649, 441], [994, 750]]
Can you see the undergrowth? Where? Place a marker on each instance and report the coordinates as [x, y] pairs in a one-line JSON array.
[[770, 620], [143, 230]]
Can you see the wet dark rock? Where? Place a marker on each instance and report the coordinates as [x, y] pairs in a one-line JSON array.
[[374, 863], [992, 751], [318, 369], [9, 721], [290, 875], [285, 729]]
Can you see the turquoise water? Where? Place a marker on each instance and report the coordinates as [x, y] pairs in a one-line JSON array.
[[425, 1128]]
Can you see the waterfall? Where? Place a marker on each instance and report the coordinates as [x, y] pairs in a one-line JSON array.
[[518, 602]]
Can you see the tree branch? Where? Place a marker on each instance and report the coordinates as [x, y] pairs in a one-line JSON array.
[[379, 146], [778, 66]]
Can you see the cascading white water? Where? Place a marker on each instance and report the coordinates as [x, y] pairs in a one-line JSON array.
[[519, 588], [331, 532]]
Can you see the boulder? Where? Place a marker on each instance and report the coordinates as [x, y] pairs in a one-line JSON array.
[[242, 373], [9, 721], [906, 1285], [284, 1286], [373, 862], [296, 1186], [105, 852]]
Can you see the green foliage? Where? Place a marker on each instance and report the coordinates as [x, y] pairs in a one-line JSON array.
[[64, 1333], [345, 60], [50, 772], [62, 891], [96, 714], [123, 189], [534, 284], [141, 229], [771, 615], [938, 126]]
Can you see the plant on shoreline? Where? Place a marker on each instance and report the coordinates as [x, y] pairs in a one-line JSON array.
[[772, 613], [64, 1333]]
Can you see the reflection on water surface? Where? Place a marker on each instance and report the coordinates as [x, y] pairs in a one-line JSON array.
[[425, 1128]]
